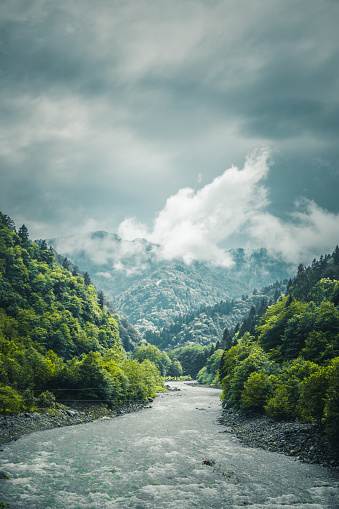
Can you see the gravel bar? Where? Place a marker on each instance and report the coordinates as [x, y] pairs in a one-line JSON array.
[[304, 441], [12, 427]]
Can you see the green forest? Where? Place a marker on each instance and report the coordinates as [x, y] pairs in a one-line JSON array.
[[58, 341], [285, 364]]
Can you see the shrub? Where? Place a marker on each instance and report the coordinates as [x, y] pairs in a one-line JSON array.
[[332, 405], [283, 404], [257, 390], [29, 401], [10, 400], [46, 399]]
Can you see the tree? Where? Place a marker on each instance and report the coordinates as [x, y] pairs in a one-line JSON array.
[[101, 299], [7, 221], [87, 279], [23, 233], [226, 339], [257, 389], [175, 369], [66, 263], [153, 354], [313, 395]]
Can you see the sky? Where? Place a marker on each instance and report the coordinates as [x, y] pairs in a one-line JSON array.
[[201, 125]]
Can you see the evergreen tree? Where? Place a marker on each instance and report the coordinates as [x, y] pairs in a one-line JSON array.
[[87, 279], [23, 233], [7, 221], [336, 256], [226, 339], [101, 299], [66, 264]]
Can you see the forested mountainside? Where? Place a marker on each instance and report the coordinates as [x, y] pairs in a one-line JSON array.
[[151, 292], [58, 339], [129, 335], [287, 365], [207, 324]]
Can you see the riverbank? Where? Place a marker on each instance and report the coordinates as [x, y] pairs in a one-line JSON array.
[[303, 441], [12, 427], [171, 455]]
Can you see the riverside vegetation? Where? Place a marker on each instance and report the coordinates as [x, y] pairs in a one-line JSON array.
[[62, 341], [285, 364], [58, 342]]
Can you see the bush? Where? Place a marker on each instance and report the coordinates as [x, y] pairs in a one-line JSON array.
[[283, 404], [46, 400], [257, 390], [313, 391], [10, 400], [332, 405]]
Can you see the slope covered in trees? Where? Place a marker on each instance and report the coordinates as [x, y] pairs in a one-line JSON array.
[[57, 338], [152, 292], [287, 365], [204, 325]]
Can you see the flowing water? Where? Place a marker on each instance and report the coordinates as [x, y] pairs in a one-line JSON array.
[[173, 455]]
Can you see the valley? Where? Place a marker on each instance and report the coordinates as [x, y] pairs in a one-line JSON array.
[[153, 293]]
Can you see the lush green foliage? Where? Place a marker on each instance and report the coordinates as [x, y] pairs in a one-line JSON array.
[[204, 325], [288, 367], [152, 353], [191, 358], [209, 374], [57, 339]]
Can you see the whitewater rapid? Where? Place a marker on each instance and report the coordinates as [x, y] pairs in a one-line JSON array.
[[172, 455]]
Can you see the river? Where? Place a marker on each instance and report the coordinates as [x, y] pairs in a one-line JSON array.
[[172, 455]]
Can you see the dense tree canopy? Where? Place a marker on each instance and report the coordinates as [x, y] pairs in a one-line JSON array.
[[56, 335], [287, 364]]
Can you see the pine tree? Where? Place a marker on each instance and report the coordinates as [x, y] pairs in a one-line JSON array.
[[336, 256], [87, 279], [23, 233], [43, 246], [226, 339], [101, 299], [7, 221]]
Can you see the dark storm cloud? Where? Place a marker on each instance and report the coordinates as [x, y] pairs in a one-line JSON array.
[[108, 108]]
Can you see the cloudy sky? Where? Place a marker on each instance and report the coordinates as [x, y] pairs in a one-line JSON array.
[[198, 124]]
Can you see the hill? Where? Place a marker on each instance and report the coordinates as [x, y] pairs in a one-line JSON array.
[[207, 324], [57, 338], [152, 292]]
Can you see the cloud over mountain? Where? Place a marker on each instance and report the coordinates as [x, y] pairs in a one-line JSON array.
[[199, 225]]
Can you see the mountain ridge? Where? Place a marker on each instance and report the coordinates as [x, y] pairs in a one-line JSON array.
[[150, 291]]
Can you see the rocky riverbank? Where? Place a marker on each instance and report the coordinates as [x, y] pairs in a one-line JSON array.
[[303, 441], [13, 427]]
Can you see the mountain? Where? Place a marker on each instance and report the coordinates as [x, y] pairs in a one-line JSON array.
[[152, 292], [207, 324]]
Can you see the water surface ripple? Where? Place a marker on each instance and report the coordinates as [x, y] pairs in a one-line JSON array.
[[155, 459]]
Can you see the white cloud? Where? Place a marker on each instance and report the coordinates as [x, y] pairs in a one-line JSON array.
[[193, 225], [311, 231], [131, 229]]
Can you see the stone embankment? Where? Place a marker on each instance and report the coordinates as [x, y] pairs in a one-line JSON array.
[[13, 427], [303, 441]]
